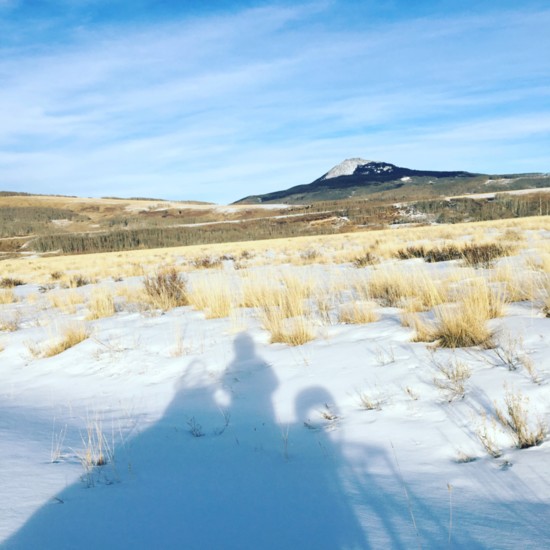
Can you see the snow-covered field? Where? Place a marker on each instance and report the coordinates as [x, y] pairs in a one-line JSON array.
[[213, 437]]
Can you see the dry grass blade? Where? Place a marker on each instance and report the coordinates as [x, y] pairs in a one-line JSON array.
[[515, 417], [453, 377]]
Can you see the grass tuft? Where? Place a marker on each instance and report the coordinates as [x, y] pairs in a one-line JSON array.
[[166, 289], [357, 313], [211, 295], [10, 282], [7, 297], [72, 335], [294, 332], [515, 418], [102, 304]]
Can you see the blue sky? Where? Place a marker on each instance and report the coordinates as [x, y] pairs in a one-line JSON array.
[[216, 100]]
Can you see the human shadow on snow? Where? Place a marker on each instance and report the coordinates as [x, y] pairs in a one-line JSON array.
[[220, 471]]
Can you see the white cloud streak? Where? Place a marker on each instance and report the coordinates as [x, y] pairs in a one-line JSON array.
[[222, 107]]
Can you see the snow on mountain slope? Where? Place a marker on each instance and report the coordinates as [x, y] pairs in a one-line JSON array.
[[345, 168]]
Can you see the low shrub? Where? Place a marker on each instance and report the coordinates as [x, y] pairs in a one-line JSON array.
[[474, 254], [207, 262], [166, 289], [78, 280], [484, 254], [10, 282], [366, 259], [431, 254]]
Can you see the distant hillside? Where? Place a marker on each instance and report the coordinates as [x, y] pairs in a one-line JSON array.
[[360, 178]]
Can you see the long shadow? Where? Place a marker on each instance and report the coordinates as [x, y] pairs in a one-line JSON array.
[[219, 471]]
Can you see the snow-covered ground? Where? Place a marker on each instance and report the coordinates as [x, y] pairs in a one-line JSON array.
[[215, 438]]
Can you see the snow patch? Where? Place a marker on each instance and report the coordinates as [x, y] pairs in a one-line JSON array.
[[346, 168]]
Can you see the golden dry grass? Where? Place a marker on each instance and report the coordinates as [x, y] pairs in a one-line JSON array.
[[101, 304], [166, 289], [212, 294], [131, 294], [33, 298], [519, 284], [294, 332], [285, 291], [71, 336], [460, 325], [383, 243], [540, 261], [7, 297], [358, 313], [256, 291], [66, 300], [516, 418], [463, 323], [394, 286]]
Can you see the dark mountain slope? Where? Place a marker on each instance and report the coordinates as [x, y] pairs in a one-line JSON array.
[[358, 177]]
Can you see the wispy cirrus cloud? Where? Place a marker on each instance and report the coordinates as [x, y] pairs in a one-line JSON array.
[[218, 106]]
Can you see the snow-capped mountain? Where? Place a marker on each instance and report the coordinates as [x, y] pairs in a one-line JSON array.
[[357, 177]]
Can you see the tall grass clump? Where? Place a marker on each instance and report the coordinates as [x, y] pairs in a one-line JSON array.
[[390, 286], [102, 304], [294, 332], [256, 291], [288, 293], [397, 287], [166, 289], [211, 295], [460, 325], [283, 308], [464, 323]]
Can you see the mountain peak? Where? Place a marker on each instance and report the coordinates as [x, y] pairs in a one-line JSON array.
[[346, 168]]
